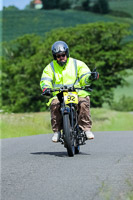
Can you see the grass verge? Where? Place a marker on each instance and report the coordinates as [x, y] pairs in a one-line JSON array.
[[26, 124], [126, 90], [108, 120]]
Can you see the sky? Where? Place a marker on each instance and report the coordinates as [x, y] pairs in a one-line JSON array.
[[18, 3]]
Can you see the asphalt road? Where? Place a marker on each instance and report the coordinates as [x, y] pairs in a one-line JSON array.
[[34, 168]]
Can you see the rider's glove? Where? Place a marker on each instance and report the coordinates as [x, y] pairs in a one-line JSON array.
[[94, 76], [46, 91]]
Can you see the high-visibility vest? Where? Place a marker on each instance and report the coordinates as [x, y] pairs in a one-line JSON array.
[[75, 72]]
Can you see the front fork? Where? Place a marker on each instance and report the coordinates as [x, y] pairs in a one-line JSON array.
[[69, 110], [77, 133]]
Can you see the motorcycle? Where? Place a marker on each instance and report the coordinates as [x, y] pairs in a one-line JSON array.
[[72, 137]]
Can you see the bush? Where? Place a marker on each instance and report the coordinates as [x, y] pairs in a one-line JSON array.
[[11, 8], [50, 4], [55, 4], [101, 6], [120, 14], [98, 45], [21, 75], [85, 5], [64, 5], [124, 104]]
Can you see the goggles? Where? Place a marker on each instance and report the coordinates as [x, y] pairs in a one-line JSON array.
[[60, 55]]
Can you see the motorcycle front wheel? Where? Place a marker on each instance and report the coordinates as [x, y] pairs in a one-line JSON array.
[[68, 137]]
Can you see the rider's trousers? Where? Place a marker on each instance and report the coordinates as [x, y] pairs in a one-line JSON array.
[[84, 117]]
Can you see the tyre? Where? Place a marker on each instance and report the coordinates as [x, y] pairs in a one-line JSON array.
[[69, 140]]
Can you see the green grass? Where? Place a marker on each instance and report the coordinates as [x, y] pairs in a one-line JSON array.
[[108, 120], [126, 6], [18, 23], [129, 194], [126, 90], [106, 193], [120, 91], [18, 125]]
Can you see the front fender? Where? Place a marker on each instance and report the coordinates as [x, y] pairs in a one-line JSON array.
[[65, 110]]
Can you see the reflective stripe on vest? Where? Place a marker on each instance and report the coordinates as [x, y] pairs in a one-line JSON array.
[[46, 79], [76, 72], [52, 66]]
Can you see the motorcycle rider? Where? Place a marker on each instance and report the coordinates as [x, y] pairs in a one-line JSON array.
[[64, 70]]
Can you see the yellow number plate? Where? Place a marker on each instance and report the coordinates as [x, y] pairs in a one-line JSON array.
[[70, 97]]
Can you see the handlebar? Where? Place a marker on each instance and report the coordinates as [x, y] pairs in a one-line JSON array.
[[72, 88], [69, 89]]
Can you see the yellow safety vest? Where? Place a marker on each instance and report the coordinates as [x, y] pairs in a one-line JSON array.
[[75, 72]]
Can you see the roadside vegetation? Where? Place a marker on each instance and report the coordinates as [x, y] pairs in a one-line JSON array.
[[26, 124], [106, 193], [97, 44], [123, 95]]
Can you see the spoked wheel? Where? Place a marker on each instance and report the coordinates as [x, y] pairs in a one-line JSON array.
[[68, 138]]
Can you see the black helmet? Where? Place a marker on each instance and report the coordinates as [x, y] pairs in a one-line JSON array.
[[59, 47]]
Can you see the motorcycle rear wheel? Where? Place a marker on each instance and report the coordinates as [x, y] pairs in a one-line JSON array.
[[68, 138]]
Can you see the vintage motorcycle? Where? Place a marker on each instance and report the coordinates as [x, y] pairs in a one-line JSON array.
[[71, 136]]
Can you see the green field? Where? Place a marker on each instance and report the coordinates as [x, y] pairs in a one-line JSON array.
[[41, 21], [125, 6], [18, 125], [18, 23]]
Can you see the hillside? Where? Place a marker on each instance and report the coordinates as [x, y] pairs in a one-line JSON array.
[[18, 23], [124, 5], [41, 21]]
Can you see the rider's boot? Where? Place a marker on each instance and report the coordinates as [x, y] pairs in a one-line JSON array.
[[89, 135], [56, 136]]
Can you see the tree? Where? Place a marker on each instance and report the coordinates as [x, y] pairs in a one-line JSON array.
[[10, 8], [101, 6], [56, 4], [85, 5], [51, 4], [98, 45], [32, 5], [21, 72], [64, 5]]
